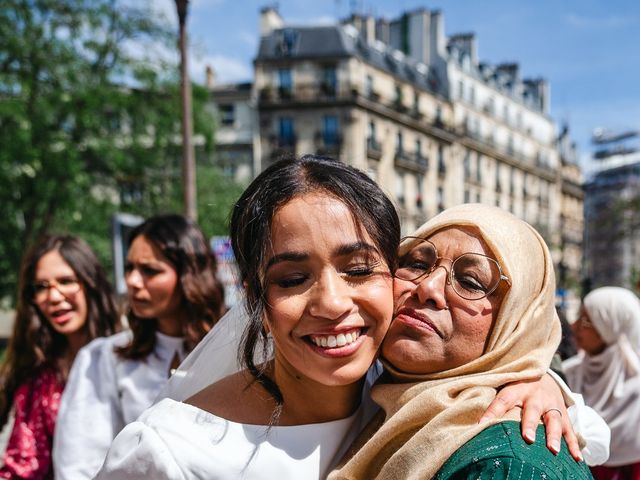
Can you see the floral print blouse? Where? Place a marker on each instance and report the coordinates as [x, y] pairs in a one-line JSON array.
[[36, 402]]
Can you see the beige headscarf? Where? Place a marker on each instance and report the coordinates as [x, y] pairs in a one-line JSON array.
[[428, 417], [610, 381]]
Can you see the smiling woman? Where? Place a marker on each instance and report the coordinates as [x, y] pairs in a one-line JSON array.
[[316, 242], [64, 302]]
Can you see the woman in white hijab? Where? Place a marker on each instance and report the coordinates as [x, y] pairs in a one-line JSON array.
[[607, 373]]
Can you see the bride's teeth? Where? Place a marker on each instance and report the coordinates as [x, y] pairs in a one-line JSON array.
[[340, 340]]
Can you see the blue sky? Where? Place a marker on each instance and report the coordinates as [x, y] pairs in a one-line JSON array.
[[587, 49]]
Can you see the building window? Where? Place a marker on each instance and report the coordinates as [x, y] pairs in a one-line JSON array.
[[419, 191], [286, 133], [330, 130], [479, 169], [398, 99], [416, 102], [467, 195], [372, 142], [227, 114], [285, 82], [460, 90], [329, 85], [467, 166], [399, 143], [440, 199], [400, 188], [505, 113], [490, 107], [442, 167], [472, 95], [512, 176], [368, 86]]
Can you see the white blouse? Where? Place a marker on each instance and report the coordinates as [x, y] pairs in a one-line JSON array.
[[104, 393], [177, 441]]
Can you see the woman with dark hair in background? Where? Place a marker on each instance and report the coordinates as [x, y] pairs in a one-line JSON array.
[[174, 299], [64, 301]]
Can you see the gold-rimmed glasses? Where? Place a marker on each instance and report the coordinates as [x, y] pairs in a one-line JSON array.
[[473, 276]]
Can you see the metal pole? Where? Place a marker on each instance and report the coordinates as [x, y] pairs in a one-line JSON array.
[[188, 155]]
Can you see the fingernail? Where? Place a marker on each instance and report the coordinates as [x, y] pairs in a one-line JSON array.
[[555, 446], [530, 435], [580, 457], [483, 419]]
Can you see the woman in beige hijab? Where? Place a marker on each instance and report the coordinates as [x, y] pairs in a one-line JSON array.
[[607, 373], [486, 318]]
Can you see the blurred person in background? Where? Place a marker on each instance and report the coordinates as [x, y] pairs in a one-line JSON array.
[[174, 299], [607, 373], [64, 301]]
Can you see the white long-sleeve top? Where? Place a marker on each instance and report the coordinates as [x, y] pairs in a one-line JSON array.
[[104, 393]]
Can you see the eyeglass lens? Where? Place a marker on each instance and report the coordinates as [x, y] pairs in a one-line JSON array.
[[64, 285], [472, 275]]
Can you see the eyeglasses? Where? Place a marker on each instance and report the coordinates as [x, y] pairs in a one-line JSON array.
[[65, 285], [473, 276]]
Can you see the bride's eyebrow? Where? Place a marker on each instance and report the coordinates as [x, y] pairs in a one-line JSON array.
[[286, 257], [355, 247]]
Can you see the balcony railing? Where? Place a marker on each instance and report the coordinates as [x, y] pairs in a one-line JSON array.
[[410, 161], [309, 92]]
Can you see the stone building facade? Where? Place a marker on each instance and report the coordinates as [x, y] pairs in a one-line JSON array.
[[417, 110]]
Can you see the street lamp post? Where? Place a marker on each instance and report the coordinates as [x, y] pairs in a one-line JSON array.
[[188, 156]]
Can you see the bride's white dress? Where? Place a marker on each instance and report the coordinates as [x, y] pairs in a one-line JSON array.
[[174, 440]]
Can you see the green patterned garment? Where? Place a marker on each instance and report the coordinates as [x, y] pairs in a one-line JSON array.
[[500, 452]]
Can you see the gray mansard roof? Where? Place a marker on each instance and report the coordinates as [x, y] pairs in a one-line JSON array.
[[344, 41]]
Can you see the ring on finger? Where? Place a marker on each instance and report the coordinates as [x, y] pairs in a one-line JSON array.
[[553, 410]]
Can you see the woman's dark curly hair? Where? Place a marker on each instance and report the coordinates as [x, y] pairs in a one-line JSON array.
[[184, 245], [34, 343], [250, 231]]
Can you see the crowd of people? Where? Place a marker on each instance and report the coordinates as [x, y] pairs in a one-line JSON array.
[[355, 354]]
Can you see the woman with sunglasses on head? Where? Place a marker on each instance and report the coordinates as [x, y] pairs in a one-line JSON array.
[[316, 243], [475, 310], [607, 373], [174, 299], [64, 301]]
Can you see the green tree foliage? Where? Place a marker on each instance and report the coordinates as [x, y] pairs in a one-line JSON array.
[[90, 124]]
